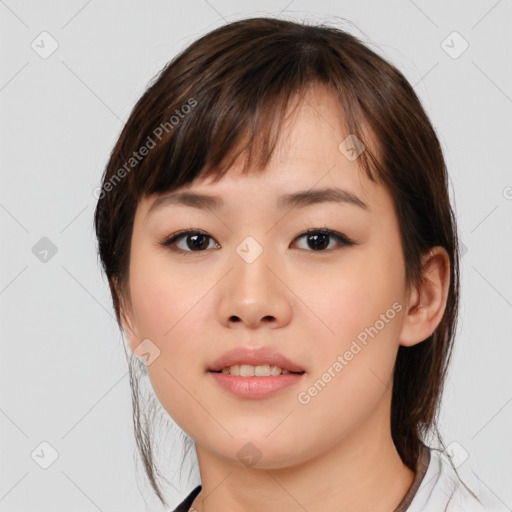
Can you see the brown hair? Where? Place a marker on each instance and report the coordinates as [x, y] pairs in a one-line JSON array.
[[226, 95]]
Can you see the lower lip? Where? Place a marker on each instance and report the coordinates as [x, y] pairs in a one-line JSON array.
[[255, 387]]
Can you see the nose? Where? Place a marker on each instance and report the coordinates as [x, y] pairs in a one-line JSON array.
[[255, 294]]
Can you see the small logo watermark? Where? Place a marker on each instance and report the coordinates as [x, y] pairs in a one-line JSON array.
[[249, 249], [44, 45], [44, 250], [351, 147], [249, 454], [147, 351], [44, 455], [454, 45]]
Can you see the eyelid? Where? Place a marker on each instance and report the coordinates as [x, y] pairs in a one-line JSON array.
[[170, 241], [342, 239]]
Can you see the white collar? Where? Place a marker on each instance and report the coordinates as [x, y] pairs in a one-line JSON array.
[[441, 490]]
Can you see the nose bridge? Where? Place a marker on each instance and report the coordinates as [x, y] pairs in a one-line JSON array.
[[252, 293], [252, 279], [252, 261]]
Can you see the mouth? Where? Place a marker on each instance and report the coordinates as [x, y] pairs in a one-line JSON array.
[[248, 361], [254, 372], [247, 382], [247, 370]]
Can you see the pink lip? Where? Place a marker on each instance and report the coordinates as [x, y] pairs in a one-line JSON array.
[[254, 357], [255, 387]]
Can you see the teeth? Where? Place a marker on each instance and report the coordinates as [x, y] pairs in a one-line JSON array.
[[247, 370]]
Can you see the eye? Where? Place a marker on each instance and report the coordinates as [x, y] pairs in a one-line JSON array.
[[318, 239], [196, 240]]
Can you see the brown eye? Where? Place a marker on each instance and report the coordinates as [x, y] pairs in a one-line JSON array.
[[195, 241], [317, 239], [320, 239]]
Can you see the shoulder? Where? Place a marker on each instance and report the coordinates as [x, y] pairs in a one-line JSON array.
[[445, 489]]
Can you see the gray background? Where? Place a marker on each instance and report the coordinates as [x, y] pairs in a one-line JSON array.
[[63, 371]]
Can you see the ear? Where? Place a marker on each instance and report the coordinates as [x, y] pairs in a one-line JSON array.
[[426, 304]]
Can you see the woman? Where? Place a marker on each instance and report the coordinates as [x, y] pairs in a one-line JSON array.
[[276, 229]]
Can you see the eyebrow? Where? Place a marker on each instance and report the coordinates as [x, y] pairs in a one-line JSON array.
[[298, 199]]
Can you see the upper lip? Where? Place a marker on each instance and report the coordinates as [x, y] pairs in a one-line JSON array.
[[254, 357]]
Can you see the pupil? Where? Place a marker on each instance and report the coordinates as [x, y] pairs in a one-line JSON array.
[[324, 243], [198, 246]]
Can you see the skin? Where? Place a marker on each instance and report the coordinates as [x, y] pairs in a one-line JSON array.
[[335, 452]]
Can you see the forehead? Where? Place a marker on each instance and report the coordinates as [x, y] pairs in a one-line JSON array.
[[312, 141], [312, 152]]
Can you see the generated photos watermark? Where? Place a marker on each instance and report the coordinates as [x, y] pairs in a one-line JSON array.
[[143, 151], [342, 360]]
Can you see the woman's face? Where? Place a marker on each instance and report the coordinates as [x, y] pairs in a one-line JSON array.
[[255, 280]]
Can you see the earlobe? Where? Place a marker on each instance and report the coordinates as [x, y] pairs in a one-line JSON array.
[[428, 302]]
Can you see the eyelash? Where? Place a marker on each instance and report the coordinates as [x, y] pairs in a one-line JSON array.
[[170, 242]]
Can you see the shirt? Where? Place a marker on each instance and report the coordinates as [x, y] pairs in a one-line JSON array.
[[435, 488]]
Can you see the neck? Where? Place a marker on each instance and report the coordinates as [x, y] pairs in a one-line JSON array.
[[361, 472]]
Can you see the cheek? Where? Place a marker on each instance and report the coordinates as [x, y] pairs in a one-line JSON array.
[[362, 338], [353, 367], [166, 305], [348, 298], [162, 296], [357, 341]]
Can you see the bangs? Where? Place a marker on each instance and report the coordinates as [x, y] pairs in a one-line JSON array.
[[239, 107]]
